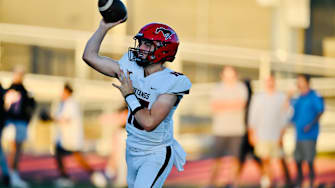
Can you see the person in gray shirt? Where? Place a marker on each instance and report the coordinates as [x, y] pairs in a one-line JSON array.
[[268, 117]]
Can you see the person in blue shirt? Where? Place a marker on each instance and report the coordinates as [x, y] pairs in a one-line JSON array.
[[308, 108]]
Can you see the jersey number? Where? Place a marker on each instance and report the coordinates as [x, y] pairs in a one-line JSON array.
[[131, 117]]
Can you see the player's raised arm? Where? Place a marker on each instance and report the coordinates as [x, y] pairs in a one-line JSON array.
[[102, 64]]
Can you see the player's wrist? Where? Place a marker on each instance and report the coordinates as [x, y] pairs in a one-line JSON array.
[[133, 103], [107, 26], [104, 27], [126, 92]]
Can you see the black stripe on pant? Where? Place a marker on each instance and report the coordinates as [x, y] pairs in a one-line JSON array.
[[166, 162]]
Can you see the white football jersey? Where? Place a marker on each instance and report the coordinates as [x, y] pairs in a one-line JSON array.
[[147, 89]]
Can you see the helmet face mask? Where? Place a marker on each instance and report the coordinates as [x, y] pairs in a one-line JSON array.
[[142, 56], [161, 44]]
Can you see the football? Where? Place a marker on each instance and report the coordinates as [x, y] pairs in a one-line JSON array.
[[112, 10]]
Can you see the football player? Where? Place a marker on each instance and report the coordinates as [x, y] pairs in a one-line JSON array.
[[152, 92]]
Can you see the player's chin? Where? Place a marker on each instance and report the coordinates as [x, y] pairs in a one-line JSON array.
[[141, 63]]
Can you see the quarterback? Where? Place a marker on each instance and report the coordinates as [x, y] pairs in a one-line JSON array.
[[152, 92]]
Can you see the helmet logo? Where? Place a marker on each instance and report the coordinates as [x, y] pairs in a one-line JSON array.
[[166, 32]]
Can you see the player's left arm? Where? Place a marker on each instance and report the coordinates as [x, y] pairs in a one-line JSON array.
[[149, 119]]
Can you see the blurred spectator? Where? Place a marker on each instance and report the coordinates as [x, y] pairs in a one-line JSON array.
[[268, 118], [246, 147], [3, 161], [70, 139], [19, 107], [118, 142], [228, 102], [308, 108]]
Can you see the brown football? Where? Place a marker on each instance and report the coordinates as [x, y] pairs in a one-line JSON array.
[[112, 10]]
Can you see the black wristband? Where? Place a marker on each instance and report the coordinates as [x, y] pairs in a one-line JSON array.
[[137, 109]]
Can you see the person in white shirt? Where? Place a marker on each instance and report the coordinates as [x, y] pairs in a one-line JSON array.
[[152, 92], [268, 117], [70, 139]]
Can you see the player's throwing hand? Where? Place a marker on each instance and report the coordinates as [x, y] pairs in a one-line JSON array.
[[110, 25], [126, 86]]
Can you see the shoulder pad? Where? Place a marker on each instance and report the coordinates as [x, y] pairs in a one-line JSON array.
[[179, 84]]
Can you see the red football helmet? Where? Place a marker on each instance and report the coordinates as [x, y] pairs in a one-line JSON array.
[[164, 39]]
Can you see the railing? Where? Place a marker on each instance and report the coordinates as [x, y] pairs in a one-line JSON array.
[[191, 52]]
